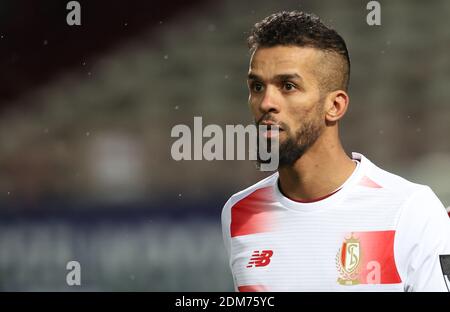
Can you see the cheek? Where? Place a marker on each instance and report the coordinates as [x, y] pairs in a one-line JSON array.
[[253, 105], [300, 113]]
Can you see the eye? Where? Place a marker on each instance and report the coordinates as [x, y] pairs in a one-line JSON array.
[[288, 86], [256, 87]]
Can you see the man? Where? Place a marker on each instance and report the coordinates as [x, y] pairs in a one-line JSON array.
[[325, 221]]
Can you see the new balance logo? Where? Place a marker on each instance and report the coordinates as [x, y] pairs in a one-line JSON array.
[[260, 259]]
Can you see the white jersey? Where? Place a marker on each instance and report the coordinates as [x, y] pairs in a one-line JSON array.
[[379, 232]]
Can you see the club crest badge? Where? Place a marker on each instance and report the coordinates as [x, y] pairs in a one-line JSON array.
[[348, 261]]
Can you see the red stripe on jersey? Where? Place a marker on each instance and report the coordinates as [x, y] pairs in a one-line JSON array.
[[378, 254], [367, 182], [251, 214], [343, 252], [250, 288]]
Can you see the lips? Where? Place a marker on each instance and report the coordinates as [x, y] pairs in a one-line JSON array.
[[272, 130], [270, 133], [271, 125]]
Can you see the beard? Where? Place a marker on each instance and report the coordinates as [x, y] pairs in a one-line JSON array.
[[296, 144]]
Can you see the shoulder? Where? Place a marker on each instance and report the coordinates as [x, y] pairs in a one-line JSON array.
[[414, 198], [267, 182], [392, 184]]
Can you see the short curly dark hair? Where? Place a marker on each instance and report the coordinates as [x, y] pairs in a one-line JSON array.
[[306, 30]]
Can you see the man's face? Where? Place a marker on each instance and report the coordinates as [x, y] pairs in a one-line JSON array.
[[284, 92]]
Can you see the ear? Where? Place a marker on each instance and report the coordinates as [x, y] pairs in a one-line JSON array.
[[336, 105]]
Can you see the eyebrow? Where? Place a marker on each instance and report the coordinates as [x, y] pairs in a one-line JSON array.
[[281, 77]]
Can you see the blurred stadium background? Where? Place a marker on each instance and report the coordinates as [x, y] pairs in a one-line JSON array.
[[86, 113]]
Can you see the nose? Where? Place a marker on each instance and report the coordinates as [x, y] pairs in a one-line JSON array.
[[269, 101]]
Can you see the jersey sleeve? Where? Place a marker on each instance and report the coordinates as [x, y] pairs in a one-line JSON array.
[[226, 222], [422, 237]]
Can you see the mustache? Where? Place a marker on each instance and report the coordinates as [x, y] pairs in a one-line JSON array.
[[269, 117]]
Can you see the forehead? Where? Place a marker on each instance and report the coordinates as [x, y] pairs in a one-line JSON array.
[[267, 62]]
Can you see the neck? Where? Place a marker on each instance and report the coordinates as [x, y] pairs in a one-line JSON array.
[[319, 172]]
